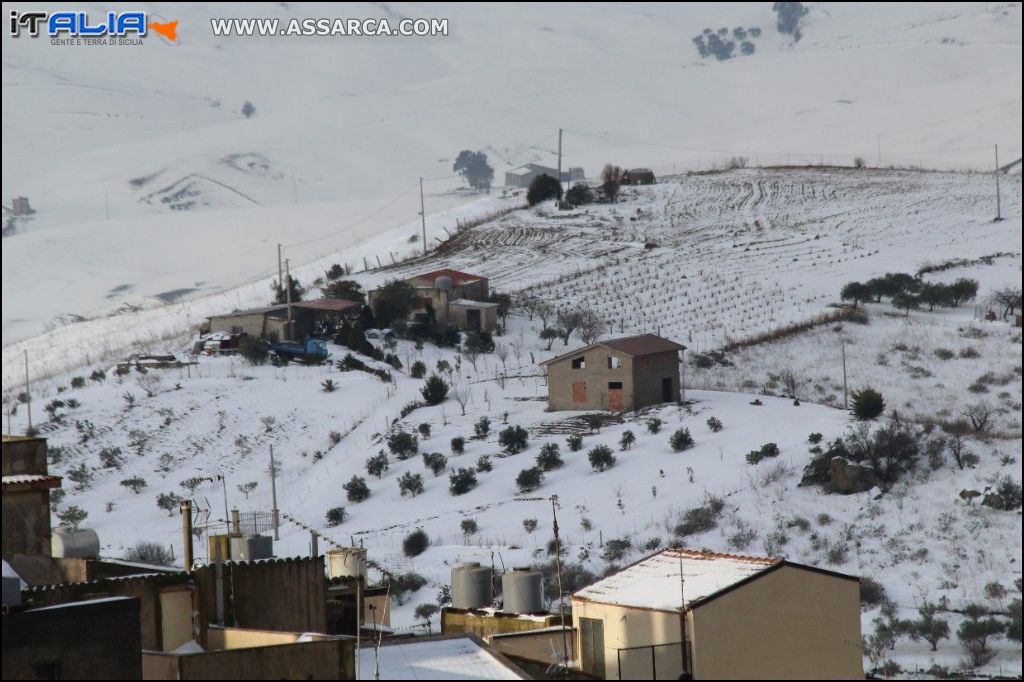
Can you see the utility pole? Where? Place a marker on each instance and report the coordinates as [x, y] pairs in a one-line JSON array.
[[224, 485], [559, 157], [846, 400], [558, 571], [280, 270], [273, 492], [999, 209], [423, 218], [288, 299], [28, 394], [879, 150], [682, 619]]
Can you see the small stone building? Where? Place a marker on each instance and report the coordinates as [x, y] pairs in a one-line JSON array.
[[26, 497], [638, 176], [309, 318], [619, 375], [719, 617]]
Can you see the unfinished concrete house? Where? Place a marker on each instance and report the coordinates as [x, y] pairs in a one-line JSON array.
[[618, 375]]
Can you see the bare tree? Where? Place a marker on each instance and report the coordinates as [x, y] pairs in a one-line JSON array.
[[528, 303], [150, 383], [501, 352], [591, 327], [472, 354], [462, 395], [958, 449], [1009, 299], [979, 414], [569, 321], [549, 334], [790, 382], [544, 311], [611, 180]]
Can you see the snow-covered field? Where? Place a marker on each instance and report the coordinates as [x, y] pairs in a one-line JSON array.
[[919, 540], [98, 138], [329, 167]]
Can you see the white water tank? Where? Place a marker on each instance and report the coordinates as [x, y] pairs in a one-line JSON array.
[[75, 543], [347, 562], [252, 547], [522, 591], [471, 586], [444, 283]]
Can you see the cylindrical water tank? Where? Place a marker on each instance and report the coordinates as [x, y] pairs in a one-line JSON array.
[[471, 586], [347, 562], [75, 543], [522, 591], [252, 547], [444, 283]]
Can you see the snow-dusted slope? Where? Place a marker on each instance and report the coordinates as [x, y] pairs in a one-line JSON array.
[[344, 127]]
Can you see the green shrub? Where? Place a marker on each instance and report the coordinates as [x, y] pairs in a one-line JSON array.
[[415, 543], [529, 480], [867, 404], [335, 516], [681, 440], [601, 458]]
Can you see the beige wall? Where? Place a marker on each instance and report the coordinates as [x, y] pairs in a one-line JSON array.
[[459, 317], [626, 628], [790, 623]]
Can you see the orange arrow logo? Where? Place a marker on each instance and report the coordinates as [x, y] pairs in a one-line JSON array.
[[168, 30]]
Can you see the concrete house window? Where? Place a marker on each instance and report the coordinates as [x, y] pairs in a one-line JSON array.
[[614, 362], [579, 363]]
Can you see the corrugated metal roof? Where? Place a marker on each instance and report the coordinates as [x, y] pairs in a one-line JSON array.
[[654, 582], [328, 304], [31, 481], [467, 303], [253, 311]]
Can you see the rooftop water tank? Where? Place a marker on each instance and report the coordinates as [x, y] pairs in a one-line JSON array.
[[75, 543], [444, 283], [347, 562], [252, 547], [523, 591], [471, 586]]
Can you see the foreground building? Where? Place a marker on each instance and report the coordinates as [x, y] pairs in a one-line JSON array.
[[719, 616], [619, 375]]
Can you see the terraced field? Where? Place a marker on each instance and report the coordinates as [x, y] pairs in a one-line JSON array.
[[713, 257]]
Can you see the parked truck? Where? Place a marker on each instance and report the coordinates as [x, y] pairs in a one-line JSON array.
[[310, 352]]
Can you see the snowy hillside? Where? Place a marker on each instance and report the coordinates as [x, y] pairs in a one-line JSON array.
[[733, 254], [150, 186]]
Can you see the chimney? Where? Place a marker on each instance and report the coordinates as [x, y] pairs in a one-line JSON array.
[[186, 531]]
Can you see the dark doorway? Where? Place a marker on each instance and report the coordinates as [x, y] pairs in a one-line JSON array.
[[666, 390], [473, 320]]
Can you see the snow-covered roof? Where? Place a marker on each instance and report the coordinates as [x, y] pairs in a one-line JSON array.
[[445, 658], [34, 480], [653, 583], [467, 303]]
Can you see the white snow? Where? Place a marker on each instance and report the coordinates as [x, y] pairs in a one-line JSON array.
[[654, 582], [455, 658]]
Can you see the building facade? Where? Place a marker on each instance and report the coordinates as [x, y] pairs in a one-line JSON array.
[[744, 618], [526, 174], [617, 375], [26, 497]]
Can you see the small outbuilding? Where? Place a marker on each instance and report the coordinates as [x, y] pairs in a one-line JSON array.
[[719, 617], [619, 375], [638, 176]]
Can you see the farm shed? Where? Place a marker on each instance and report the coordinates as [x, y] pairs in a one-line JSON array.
[[309, 318], [619, 375], [745, 618], [525, 174], [638, 176]]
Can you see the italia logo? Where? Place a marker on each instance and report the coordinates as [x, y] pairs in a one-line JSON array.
[[81, 25]]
